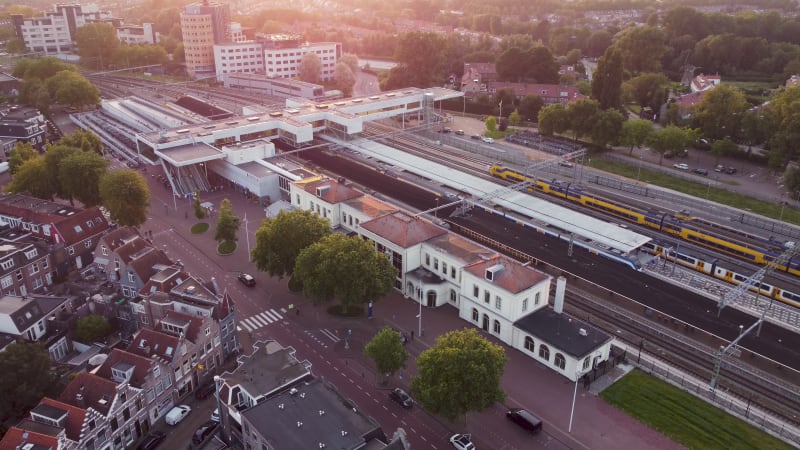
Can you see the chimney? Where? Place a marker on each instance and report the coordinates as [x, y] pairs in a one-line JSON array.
[[216, 286], [558, 302], [79, 400]]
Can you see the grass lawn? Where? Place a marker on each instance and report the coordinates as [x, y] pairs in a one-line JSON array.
[[226, 248], [700, 190], [199, 228], [684, 418]]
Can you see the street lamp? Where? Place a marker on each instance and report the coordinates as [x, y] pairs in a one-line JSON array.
[[578, 375], [419, 316], [437, 207], [217, 382], [639, 172]]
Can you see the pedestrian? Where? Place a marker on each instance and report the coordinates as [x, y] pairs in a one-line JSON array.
[[297, 311], [412, 335]]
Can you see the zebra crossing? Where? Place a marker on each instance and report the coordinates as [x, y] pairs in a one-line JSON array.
[[262, 319]]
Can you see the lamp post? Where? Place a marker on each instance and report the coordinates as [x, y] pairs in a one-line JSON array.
[[419, 316], [217, 380], [437, 207], [639, 172], [501, 109], [247, 236], [578, 376]]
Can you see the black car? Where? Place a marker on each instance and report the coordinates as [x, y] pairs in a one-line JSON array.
[[703, 172], [203, 432], [401, 397], [525, 420], [247, 279], [152, 440]]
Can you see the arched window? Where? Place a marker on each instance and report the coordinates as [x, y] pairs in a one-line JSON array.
[[529, 344], [560, 361], [497, 327], [453, 295], [544, 352], [586, 363], [474, 314]]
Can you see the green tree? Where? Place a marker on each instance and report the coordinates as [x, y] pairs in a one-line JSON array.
[[791, 179], [227, 223], [754, 129], [719, 111], [529, 107], [607, 128], [345, 79], [32, 177], [344, 268], [79, 177], [26, 378], [573, 56], [41, 68], [53, 157], [21, 152], [670, 139], [310, 68], [723, 147], [542, 66], [92, 328], [460, 362], [84, 140], [199, 212], [96, 44], [607, 79], [419, 55], [512, 65], [635, 133], [582, 116], [126, 196], [280, 239], [648, 90], [491, 124], [352, 62], [72, 89], [514, 118], [553, 119], [387, 351], [641, 48], [598, 42]]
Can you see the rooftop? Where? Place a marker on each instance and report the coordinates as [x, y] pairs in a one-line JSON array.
[[563, 332], [270, 367]]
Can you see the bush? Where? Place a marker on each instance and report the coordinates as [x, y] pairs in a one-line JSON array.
[[226, 247], [199, 228]]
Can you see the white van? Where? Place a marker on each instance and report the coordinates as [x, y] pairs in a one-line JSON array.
[[176, 414]]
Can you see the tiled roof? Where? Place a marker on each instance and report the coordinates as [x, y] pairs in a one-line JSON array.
[[195, 323], [402, 229], [76, 228], [124, 241], [465, 250], [331, 191], [564, 92], [14, 439], [97, 392], [75, 417], [70, 222], [146, 264], [370, 206], [511, 276], [140, 363], [149, 342]]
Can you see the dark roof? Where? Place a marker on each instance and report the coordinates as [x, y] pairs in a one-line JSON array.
[[23, 311], [312, 414], [72, 224], [563, 332], [75, 417], [149, 342], [89, 390], [149, 262]]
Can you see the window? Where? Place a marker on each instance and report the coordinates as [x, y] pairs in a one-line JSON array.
[[498, 302], [131, 277], [104, 250], [524, 305], [7, 264], [436, 264], [476, 291], [497, 327], [529, 344], [487, 297], [444, 267], [474, 314], [536, 298], [586, 362], [427, 259], [208, 331], [560, 361], [453, 272], [7, 282], [150, 396], [33, 269], [453, 296], [544, 352], [70, 251]]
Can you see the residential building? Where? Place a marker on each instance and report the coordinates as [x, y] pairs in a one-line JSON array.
[[478, 73], [37, 319], [152, 375], [313, 414], [138, 34], [124, 256], [283, 56], [22, 124], [54, 32], [702, 82], [73, 232], [25, 265], [549, 93], [259, 83], [203, 25], [9, 85]]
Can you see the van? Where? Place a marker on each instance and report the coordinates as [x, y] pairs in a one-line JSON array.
[[176, 414], [525, 420]]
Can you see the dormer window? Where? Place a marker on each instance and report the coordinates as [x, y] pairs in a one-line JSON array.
[[122, 372], [30, 254], [493, 272], [78, 229]]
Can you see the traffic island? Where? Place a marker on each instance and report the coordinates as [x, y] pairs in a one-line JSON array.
[[226, 248], [199, 228]]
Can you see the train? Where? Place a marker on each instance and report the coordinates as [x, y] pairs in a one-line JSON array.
[[708, 265], [760, 250]]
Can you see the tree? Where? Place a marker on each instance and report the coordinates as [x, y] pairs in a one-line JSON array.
[[512, 65], [460, 373], [529, 107], [310, 68], [607, 79], [84, 140], [670, 139], [573, 56], [92, 328], [26, 378], [636, 132], [281, 238], [352, 62], [96, 44], [197, 206], [754, 129], [514, 118], [598, 42], [126, 196], [53, 157], [553, 119], [79, 176], [791, 179], [345, 79], [542, 66], [387, 350], [723, 147], [719, 111], [344, 268], [648, 90], [21, 152], [31, 177], [641, 48], [607, 127], [227, 223], [491, 123], [582, 116], [72, 89]]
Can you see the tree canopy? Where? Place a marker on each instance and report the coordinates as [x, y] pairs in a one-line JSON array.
[[79, 177], [126, 196], [21, 152], [310, 68], [607, 81], [635, 132], [280, 239], [719, 111], [553, 119], [91, 328], [344, 268], [84, 140], [670, 139], [387, 351], [96, 44], [227, 223], [460, 373], [26, 378]]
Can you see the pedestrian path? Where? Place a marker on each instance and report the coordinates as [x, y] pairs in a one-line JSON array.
[[261, 319]]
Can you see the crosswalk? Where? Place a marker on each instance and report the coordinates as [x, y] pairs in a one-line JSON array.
[[262, 319]]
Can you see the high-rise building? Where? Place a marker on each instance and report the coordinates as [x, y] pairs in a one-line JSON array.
[[203, 25], [54, 32]]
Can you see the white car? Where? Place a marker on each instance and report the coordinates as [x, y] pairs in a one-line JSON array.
[[681, 166], [176, 414], [488, 140], [462, 442]]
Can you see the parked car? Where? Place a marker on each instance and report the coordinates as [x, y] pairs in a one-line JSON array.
[[400, 396], [462, 442], [203, 432], [460, 132], [152, 440], [247, 279], [681, 166], [488, 140], [477, 137], [525, 420], [215, 415], [703, 172], [176, 414], [730, 170], [719, 168], [204, 390], [565, 164]]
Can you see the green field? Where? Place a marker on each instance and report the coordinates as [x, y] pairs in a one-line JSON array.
[[683, 417]]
